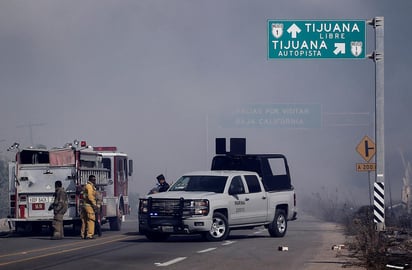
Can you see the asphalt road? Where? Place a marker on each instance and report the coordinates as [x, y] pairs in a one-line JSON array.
[[307, 245]]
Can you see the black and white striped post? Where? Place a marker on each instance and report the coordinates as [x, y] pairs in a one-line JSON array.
[[379, 203]]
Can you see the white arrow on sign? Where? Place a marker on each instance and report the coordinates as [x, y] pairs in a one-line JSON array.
[[339, 48], [294, 30]]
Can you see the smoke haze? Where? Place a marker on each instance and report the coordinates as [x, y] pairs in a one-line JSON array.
[[160, 79]]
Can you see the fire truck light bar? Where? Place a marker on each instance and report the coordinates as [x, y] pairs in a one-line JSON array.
[[105, 148]]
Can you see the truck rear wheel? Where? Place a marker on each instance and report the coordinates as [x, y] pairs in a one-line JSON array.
[[219, 230], [279, 225]]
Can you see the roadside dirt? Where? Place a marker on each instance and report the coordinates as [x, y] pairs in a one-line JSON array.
[[331, 253]]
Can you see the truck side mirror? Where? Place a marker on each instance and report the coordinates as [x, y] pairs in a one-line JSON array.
[[130, 167], [235, 190]]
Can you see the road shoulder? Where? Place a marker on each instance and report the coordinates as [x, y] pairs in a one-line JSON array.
[[332, 253]]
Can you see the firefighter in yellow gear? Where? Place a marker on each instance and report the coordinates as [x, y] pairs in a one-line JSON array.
[[89, 208]]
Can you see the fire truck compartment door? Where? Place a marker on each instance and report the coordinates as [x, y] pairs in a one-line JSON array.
[[111, 206]]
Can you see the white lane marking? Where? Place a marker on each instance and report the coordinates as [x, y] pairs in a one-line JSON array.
[[206, 250], [176, 260], [171, 261]]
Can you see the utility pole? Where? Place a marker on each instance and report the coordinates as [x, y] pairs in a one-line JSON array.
[[2, 140], [30, 125]]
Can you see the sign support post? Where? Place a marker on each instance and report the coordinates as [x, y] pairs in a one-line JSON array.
[[378, 57], [370, 188]]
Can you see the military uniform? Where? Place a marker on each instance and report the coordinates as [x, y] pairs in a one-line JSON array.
[[59, 207], [163, 185], [87, 214]]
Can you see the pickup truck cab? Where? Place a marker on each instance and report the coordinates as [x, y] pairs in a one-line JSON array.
[[212, 203]]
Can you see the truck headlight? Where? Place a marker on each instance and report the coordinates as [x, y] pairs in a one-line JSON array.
[[196, 208], [143, 206]]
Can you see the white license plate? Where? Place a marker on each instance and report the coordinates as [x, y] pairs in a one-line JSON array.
[[168, 229], [40, 199]]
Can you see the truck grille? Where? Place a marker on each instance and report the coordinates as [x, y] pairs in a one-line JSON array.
[[166, 207]]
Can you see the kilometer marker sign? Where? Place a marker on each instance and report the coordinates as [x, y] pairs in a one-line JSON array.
[[289, 39], [365, 167]]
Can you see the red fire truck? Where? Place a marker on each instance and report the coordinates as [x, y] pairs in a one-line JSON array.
[[33, 173]]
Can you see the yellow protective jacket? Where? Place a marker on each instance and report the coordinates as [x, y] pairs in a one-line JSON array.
[[89, 194]]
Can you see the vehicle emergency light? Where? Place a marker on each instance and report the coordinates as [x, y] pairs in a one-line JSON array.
[[105, 148], [83, 144]]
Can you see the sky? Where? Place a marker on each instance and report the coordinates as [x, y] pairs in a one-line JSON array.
[[161, 79]]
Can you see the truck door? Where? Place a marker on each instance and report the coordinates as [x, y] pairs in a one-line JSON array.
[[237, 202], [256, 200]]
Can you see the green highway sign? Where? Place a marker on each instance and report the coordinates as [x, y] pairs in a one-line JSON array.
[[291, 39]]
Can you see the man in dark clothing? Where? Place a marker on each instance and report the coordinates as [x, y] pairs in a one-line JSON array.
[[59, 207], [163, 185], [98, 212]]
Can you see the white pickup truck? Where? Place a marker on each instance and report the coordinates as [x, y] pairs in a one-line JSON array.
[[240, 192]]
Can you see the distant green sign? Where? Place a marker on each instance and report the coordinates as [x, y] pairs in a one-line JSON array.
[[288, 39]]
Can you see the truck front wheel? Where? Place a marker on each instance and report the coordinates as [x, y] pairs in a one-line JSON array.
[[279, 225], [219, 230]]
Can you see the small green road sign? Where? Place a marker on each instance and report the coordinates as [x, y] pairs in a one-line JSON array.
[[289, 39]]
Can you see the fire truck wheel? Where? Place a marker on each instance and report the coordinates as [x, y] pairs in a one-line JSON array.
[[115, 224]]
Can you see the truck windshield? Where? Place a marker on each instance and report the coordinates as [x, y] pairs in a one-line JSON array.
[[200, 183], [34, 157]]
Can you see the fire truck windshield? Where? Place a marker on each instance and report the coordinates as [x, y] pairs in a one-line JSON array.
[[34, 157]]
